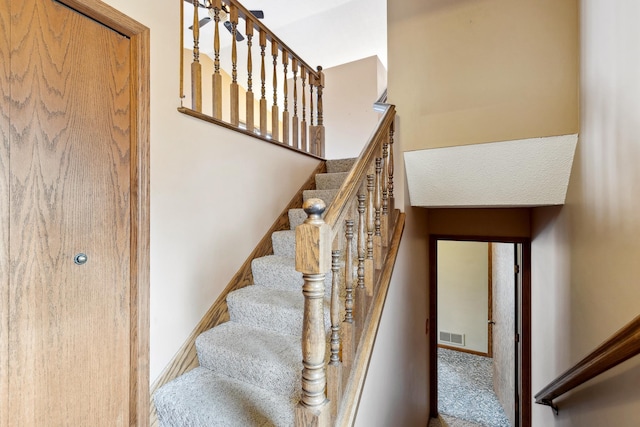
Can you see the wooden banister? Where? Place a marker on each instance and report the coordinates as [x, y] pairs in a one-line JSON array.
[[279, 128], [315, 239], [621, 346]]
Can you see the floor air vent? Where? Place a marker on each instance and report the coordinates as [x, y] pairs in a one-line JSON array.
[[452, 338]]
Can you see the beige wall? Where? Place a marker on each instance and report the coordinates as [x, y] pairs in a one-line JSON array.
[[348, 97], [464, 72], [395, 390], [463, 292], [201, 231], [585, 255]]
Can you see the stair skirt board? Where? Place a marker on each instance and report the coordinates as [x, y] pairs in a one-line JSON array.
[[249, 371]]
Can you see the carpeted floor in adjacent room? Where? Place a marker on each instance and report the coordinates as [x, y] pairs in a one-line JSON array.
[[465, 392]]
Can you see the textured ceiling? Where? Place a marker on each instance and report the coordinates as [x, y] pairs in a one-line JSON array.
[[527, 172]]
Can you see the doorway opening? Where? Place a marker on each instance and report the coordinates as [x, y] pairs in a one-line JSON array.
[[480, 321]]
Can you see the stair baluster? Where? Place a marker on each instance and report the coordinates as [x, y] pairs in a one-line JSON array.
[[384, 219], [196, 67], [294, 123], [361, 293], [249, 102], [303, 125], [216, 78], [275, 115], [311, 140], [313, 260], [390, 168], [263, 97], [285, 107], [369, 265], [348, 336], [334, 370], [377, 238], [234, 88]]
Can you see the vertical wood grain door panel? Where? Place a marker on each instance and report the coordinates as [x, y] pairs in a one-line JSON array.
[[4, 212], [69, 335]]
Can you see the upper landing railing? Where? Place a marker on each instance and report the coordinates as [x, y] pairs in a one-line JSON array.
[[294, 119], [621, 346]]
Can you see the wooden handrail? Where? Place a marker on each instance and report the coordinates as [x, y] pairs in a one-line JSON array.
[[621, 346]]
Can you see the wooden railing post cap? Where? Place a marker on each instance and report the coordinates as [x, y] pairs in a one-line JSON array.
[[314, 208], [320, 81], [313, 240]]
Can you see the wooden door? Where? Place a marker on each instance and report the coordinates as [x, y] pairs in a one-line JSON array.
[[4, 212], [72, 332]]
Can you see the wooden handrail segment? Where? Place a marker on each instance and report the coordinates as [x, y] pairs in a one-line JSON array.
[[621, 346]]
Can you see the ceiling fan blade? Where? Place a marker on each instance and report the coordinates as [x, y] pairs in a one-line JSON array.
[[202, 22], [257, 13], [199, 4], [239, 37]]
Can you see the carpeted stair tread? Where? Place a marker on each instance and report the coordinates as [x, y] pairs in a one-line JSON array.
[[328, 181], [326, 195], [201, 398], [340, 165], [279, 272], [277, 310], [284, 243], [258, 356]]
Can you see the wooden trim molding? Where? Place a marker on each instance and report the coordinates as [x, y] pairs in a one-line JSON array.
[[355, 384], [490, 296], [187, 358], [525, 379], [463, 350], [201, 116]]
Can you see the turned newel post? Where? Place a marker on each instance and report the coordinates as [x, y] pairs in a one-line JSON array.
[[313, 260]]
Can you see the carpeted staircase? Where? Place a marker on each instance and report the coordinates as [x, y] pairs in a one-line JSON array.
[[250, 367]]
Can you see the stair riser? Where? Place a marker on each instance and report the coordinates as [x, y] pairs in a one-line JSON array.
[[327, 181], [269, 272], [273, 366], [249, 310]]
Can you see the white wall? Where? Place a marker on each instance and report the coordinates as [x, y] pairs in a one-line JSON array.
[[348, 97], [214, 193], [463, 292]]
